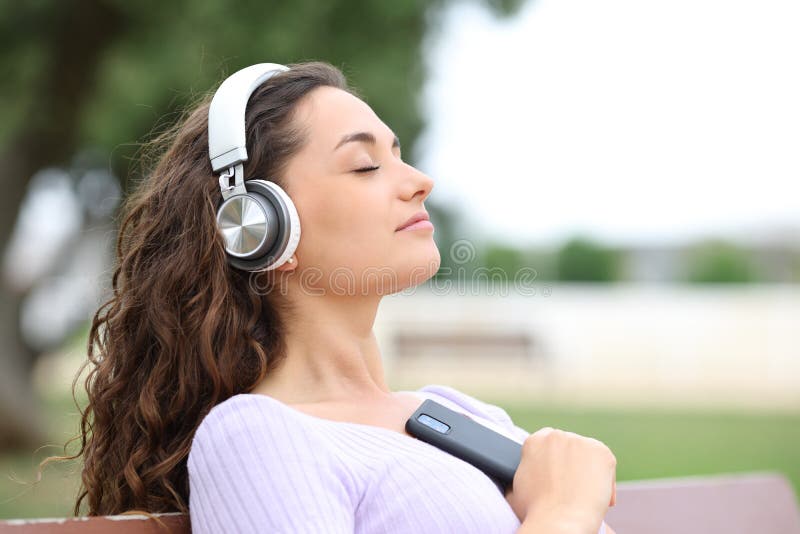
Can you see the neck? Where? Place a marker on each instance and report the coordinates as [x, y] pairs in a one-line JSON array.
[[331, 352]]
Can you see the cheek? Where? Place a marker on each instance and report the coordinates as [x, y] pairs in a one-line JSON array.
[[337, 223]]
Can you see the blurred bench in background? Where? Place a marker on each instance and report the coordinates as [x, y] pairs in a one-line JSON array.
[[762, 503]]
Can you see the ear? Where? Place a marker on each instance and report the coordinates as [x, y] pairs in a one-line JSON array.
[[288, 266]]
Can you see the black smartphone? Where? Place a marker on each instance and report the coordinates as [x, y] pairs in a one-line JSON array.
[[465, 438]]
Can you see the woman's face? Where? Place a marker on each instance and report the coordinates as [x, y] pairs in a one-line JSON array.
[[349, 214]]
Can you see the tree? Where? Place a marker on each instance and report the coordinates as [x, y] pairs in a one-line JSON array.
[[582, 260], [719, 262]]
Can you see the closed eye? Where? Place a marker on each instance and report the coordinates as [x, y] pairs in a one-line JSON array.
[[368, 169]]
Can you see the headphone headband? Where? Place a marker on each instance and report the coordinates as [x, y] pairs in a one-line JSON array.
[[259, 222], [226, 127]]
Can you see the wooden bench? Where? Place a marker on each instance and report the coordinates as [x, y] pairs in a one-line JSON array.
[[762, 503], [113, 524]]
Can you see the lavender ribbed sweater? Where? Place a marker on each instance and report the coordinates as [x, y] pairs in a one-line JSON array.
[[259, 465]]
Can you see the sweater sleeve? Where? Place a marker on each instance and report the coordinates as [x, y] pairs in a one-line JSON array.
[[251, 471]]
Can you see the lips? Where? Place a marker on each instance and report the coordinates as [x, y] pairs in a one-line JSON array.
[[419, 216]]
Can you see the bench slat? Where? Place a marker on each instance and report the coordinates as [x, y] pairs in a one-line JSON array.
[[112, 524]]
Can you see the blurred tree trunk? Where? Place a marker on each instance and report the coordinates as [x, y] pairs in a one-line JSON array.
[[80, 32]]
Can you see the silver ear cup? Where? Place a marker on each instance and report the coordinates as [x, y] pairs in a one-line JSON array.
[[249, 225], [259, 228]]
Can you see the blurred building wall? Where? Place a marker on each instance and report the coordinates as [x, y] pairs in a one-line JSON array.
[[609, 345]]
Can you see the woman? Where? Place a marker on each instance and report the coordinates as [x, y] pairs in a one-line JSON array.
[[257, 401]]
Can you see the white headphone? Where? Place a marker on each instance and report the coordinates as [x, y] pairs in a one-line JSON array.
[[259, 222]]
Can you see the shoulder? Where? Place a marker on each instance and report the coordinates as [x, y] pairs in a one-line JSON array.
[[237, 415], [256, 427], [253, 435], [458, 400], [255, 466]]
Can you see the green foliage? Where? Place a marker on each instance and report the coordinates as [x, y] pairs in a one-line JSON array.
[[512, 260], [166, 54], [508, 258], [444, 220], [794, 267], [582, 260], [719, 262], [166, 61]]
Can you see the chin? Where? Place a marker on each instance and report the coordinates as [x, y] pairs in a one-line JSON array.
[[420, 272]]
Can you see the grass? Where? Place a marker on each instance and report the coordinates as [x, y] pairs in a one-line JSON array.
[[647, 444], [21, 496], [660, 443]]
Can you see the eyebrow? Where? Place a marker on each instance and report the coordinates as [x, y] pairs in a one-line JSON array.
[[364, 137]]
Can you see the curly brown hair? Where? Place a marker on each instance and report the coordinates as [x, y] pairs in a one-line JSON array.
[[183, 330]]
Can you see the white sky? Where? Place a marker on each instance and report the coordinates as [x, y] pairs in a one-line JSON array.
[[628, 120]]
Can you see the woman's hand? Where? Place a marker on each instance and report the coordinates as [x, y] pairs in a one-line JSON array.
[[564, 477]]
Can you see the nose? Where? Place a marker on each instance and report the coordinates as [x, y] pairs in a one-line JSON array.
[[417, 183]]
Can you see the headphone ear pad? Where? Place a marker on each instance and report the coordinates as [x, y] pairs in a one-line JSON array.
[[261, 228]]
